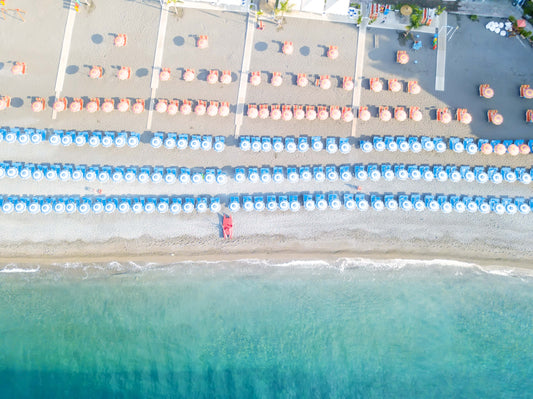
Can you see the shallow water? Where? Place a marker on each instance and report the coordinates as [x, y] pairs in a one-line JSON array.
[[252, 329]]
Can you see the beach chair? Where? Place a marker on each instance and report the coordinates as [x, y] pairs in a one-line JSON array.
[[377, 203], [318, 173], [253, 175], [402, 143], [286, 112], [390, 143], [292, 175], [195, 142], [384, 113], [310, 112], [298, 112], [294, 203], [344, 145], [373, 172], [283, 203], [247, 203], [349, 202], [303, 144], [234, 204], [456, 144], [316, 143], [414, 144], [271, 203], [390, 202], [290, 145], [509, 175], [375, 85], [400, 172], [387, 172], [523, 206], [331, 145], [275, 112], [277, 174], [361, 202], [331, 173], [347, 83]]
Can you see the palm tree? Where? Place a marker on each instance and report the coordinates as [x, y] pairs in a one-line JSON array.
[[283, 7]]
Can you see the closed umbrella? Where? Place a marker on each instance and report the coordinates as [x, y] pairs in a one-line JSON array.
[[212, 78], [123, 105], [92, 106], [95, 72], [161, 106], [252, 111], [223, 110], [189, 75], [120, 40], [334, 113], [202, 42], [277, 80], [263, 111], [37, 105], [225, 78], [108, 105], [19, 68], [60, 104], [138, 107], [76, 105], [323, 114], [302, 80], [400, 114], [255, 78], [124, 73], [364, 114], [164, 75], [333, 52], [288, 48], [173, 108]]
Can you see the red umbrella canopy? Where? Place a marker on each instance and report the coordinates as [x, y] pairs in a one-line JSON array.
[[521, 23]]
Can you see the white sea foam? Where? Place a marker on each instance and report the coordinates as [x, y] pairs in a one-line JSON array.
[[9, 269]]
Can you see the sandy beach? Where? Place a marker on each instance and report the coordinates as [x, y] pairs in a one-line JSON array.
[[499, 240]]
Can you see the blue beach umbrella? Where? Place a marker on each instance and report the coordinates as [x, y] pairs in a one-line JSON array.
[[386, 172], [390, 144], [427, 143], [331, 173], [266, 176], [239, 176], [344, 145], [377, 203], [170, 176], [170, 141], [247, 203], [305, 173], [309, 202], [316, 143], [277, 144], [294, 203], [272, 203], [349, 202], [362, 202], [379, 144], [277, 174], [366, 146], [403, 145], [188, 206], [195, 142], [318, 173], [201, 205], [331, 145], [134, 139], [55, 138], [210, 176], [197, 177], [183, 141], [81, 138], [108, 139], [283, 203], [214, 205], [290, 145], [163, 205], [321, 203], [234, 204], [176, 206], [303, 144], [220, 144], [207, 143], [253, 175], [266, 144], [255, 144]]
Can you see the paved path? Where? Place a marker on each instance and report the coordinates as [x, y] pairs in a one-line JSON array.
[[360, 57], [158, 57], [245, 72], [441, 51], [65, 50]]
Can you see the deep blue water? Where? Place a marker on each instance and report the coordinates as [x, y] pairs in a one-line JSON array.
[[251, 330]]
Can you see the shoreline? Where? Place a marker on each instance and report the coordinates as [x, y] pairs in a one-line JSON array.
[[163, 252]]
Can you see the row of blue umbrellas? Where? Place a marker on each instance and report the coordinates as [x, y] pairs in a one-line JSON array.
[[84, 205], [291, 144], [277, 174], [319, 201]]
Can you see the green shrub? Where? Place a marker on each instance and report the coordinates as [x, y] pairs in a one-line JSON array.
[[473, 18]]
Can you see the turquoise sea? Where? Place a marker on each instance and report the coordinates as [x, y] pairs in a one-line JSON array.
[[253, 329]]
